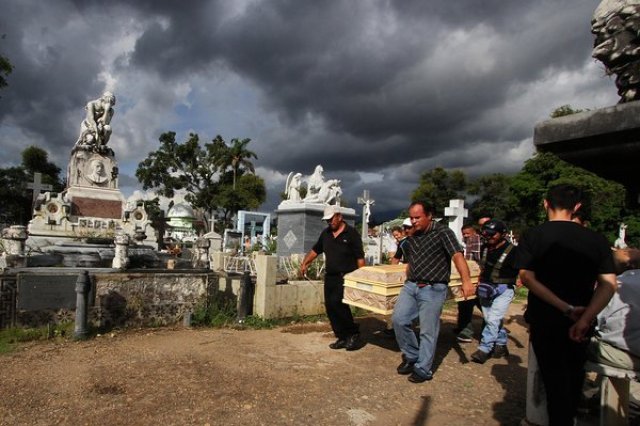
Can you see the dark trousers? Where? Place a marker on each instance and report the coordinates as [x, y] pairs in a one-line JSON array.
[[339, 313], [465, 313], [561, 362]]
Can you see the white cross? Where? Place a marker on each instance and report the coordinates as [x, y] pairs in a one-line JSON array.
[[366, 202], [38, 186], [456, 214]]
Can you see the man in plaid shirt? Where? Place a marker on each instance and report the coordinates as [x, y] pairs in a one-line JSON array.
[[429, 252]]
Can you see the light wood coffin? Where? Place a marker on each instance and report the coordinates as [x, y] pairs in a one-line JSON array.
[[376, 288]]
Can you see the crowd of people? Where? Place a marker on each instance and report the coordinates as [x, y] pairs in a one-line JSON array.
[[569, 270]]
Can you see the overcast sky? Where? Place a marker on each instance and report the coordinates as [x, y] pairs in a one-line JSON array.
[[375, 91]]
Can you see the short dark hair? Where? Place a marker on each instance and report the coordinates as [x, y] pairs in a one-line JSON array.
[[426, 206], [467, 226], [397, 229], [564, 197]]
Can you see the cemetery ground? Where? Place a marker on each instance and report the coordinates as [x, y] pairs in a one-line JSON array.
[[281, 376]]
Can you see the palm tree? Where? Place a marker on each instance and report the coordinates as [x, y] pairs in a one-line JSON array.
[[238, 156]]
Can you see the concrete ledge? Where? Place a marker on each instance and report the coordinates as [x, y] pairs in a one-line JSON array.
[[605, 141]]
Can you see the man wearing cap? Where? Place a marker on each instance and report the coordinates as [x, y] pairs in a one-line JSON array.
[[429, 252], [407, 229], [495, 289], [342, 247]]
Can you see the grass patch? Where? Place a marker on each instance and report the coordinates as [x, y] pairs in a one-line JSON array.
[[222, 312], [11, 338], [521, 295]]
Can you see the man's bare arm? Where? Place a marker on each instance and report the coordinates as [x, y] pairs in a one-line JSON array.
[[307, 261], [541, 291]]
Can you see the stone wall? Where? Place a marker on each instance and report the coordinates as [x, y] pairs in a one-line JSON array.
[[148, 299], [31, 297]]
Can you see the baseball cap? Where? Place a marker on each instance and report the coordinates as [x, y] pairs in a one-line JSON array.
[[493, 227], [329, 211], [407, 223]]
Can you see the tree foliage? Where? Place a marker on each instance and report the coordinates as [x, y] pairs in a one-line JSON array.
[[518, 199], [206, 172], [5, 70], [15, 208], [605, 199], [494, 197], [438, 186]]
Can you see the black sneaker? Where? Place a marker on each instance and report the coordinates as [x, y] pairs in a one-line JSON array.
[[417, 378], [500, 351], [405, 367], [464, 337], [480, 357], [339, 344]]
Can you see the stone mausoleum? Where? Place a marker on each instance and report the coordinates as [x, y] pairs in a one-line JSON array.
[[91, 209]]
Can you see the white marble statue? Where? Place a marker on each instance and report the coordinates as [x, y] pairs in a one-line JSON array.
[[95, 128], [329, 192], [620, 242], [314, 184], [292, 188]]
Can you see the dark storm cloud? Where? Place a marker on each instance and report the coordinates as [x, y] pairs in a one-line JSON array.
[[388, 87], [52, 73]]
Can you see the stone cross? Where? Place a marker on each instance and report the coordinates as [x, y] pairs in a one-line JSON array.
[[366, 202], [38, 186], [456, 214]]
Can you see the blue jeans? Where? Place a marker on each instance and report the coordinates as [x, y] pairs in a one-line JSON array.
[[426, 304], [494, 311]]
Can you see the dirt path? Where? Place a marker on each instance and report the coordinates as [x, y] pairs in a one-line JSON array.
[[286, 376]]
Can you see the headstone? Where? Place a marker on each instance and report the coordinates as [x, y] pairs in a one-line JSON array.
[[47, 291], [456, 214]]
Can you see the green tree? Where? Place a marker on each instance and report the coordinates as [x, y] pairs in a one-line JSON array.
[[494, 196], [5, 70], [183, 166], [36, 160], [238, 157], [603, 209], [249, 194], [438, 186], [208, 173], [15, 208]]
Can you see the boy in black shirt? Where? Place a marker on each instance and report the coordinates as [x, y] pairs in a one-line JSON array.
[[559, 262]]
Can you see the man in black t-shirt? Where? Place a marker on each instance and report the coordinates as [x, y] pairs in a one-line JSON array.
[[342, 247], [560, 261]]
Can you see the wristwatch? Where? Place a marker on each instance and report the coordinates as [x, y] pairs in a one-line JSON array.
[[567, 312]]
